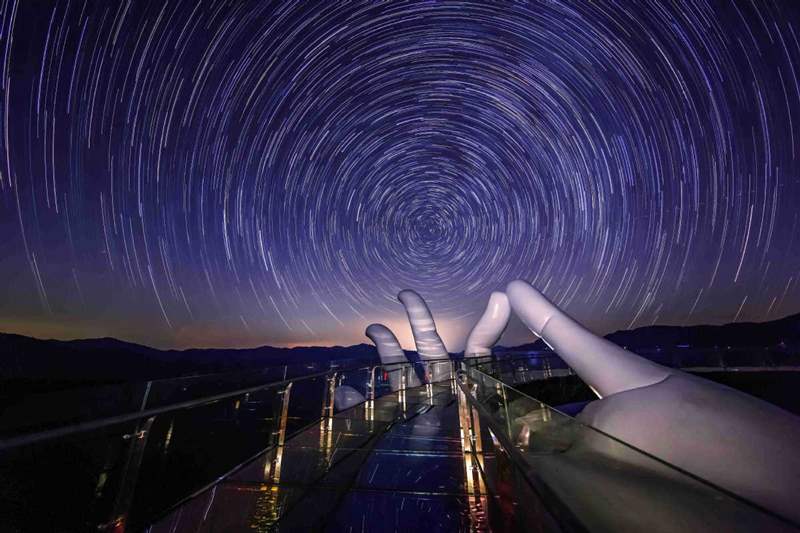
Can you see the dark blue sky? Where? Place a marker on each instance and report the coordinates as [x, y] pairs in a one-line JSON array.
[[243, 173]]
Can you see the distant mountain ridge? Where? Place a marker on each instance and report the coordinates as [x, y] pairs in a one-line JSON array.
[[783, 331], [108, 359]]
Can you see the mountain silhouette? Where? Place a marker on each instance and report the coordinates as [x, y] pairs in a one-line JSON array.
[[111, 360], [784, 333], [108, 359]]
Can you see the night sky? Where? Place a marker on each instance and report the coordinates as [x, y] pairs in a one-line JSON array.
[[243, 173]]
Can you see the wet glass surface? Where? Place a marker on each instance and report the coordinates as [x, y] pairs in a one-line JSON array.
[[120, 473], [395, 464], [287, 457]]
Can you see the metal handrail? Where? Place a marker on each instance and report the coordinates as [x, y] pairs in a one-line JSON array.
[[136, 415], [80, 427], [554, 504]]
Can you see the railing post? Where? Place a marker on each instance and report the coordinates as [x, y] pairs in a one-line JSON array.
[[146, 395], [369, 411], [432, 373], [272, 468], [372, 383], [130, 476], [330, 389], [268, 503], [401, 394], [326, 420], [472, 451]]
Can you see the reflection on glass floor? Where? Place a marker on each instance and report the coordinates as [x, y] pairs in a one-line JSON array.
[[422, 458], [395, 464]]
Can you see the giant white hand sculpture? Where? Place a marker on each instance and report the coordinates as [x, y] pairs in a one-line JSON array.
[[390, 352], [603, 365], [490, 326], [389, 349], [724, 436], [345, 397], [429, 345]]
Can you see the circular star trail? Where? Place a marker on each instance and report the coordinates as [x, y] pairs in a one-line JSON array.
[[237, 173]]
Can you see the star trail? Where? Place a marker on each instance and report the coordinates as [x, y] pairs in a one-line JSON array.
[[183, 173]]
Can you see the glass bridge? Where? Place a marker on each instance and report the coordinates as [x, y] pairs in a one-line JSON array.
[[456, 446]]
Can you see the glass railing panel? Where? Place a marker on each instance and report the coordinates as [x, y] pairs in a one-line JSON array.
[[310, 399], [38, 406], [67, 484], [330, 458], [438, 371], [516, 369], [188, 448], [139, 449], [174, 390], [128, 467], [768, 374], [604, 484], [759, 357], [387, 378], [358, 382], [28, 413]]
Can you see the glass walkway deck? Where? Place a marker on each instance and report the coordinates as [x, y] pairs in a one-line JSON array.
[[444, 446], [397, 464]]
